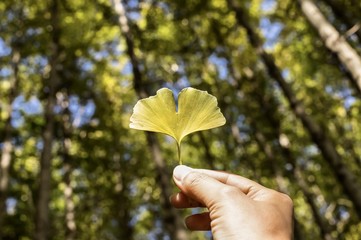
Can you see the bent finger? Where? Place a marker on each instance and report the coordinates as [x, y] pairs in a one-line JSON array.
[[199, 222], [180, 200], [246, 185]]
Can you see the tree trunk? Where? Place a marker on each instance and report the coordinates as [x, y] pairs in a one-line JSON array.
[[346, 178], [334, 41], [121, 193], [208, 156], [280, 180], [67, 130], [172, 221], [70, 225], [343, 15], [42, 214], [325, 229], [269, 111], [6, 151]]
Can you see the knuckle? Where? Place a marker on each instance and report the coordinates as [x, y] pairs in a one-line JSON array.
[[194, 179], [286, 199], [229, 191]]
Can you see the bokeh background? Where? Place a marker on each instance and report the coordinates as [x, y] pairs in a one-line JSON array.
[[287, 76]]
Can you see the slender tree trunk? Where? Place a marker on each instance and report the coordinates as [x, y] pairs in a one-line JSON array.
[[310, 197], [42, 214], [122, 188], [269, 111], [267, 149], [6, 151], [334, 41], [325, 229], [348, 180], [348, 145], [70, 225], [172, 220], [209, 158], [339, 11], [280, 179], [125, 230], [67, 129]]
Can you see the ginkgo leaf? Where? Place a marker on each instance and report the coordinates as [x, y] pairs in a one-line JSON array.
[[197, 110]]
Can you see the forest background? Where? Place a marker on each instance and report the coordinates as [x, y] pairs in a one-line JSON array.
[[287, 75]]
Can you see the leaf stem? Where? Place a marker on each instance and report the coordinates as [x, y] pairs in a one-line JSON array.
[[179, 154]]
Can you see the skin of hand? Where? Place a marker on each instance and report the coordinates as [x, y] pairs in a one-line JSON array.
[[238, 208]]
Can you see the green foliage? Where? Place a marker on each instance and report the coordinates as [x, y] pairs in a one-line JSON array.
[[115, 188]]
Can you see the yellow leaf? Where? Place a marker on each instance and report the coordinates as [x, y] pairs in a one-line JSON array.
[[197, 111]]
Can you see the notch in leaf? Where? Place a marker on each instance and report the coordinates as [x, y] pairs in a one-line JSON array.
[[197, 111]]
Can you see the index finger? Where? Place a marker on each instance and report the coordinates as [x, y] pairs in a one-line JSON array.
[[246, 185]]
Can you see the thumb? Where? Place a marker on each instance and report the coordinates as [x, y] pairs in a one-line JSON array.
[[197, 185]]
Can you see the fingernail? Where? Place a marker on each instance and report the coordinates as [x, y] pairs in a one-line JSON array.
[[181, 171]]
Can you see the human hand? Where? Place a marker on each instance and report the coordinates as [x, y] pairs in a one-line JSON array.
[[238, 207]]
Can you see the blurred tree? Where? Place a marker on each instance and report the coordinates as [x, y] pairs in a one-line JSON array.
[[7, 148], [71, 72], [345, 177], [51, 82], [348, 18], [171, 219], [334, 41]]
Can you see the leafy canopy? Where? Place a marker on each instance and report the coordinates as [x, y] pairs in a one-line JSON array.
[[197, 111]]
